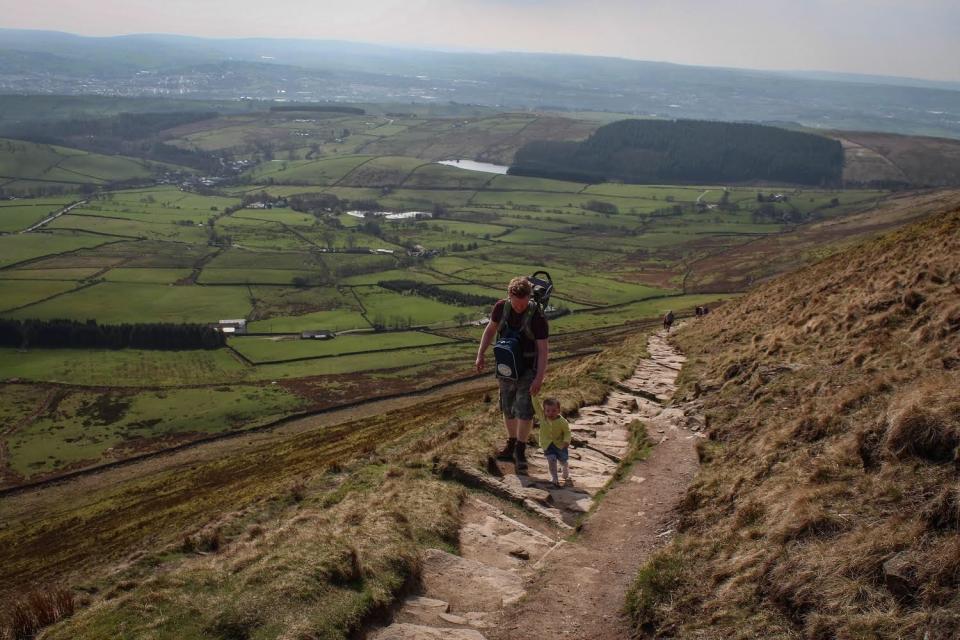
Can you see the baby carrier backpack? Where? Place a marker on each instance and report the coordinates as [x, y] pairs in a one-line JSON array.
[[542, 285], [507, 350]]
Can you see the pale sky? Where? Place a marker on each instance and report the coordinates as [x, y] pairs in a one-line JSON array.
[[918, 38]]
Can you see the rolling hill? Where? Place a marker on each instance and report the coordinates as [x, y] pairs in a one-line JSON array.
[[827, 501]]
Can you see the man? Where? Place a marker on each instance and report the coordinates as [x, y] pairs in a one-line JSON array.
[[668, 321], [516, 395]]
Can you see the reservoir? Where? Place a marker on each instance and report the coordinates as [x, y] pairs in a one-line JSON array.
[[390, 215], [473, 165]]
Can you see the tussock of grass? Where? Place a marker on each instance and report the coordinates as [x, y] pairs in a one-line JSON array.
[[23, 617], [827, 502], [651, 589]]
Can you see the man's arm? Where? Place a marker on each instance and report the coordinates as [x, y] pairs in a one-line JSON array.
[[485, 340], [543, 351]]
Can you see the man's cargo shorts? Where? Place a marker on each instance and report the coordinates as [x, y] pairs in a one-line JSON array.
[[515, 401]]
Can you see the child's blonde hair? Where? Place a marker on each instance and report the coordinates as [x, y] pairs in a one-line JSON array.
[[551, 402]]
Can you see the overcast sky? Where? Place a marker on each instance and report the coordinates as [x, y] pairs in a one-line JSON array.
[[918, 38]]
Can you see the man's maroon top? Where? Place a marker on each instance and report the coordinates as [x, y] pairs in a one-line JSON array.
[[538, 326]]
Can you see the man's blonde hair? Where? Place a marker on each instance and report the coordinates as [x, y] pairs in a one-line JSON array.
[[520, 287]]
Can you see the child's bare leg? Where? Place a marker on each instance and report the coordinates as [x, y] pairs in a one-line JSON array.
[[566, 469], [552, 463]]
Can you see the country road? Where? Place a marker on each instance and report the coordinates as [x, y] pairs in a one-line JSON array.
[[54, 216]]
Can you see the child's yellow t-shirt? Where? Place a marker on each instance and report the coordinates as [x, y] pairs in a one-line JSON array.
[[556, 431]]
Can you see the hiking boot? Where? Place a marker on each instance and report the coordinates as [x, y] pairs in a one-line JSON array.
[[506, 454], [520, 457]]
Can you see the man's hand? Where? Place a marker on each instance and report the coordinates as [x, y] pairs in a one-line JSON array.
[[481, 363], [535, 386]]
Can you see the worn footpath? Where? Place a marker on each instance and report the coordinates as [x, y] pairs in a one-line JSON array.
[[521, 572]]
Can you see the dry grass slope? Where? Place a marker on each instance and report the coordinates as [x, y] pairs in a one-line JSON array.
[[828, 503]]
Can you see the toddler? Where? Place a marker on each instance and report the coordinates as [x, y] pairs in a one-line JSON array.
[[554, 436]]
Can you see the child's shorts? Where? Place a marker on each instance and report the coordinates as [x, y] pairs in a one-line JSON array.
[[560, 454]]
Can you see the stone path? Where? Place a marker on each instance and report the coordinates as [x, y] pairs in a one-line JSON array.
[[516, 575]]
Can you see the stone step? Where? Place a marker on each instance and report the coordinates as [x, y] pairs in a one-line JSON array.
[[468, 585], [490, 536]]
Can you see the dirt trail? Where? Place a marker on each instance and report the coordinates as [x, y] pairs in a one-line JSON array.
[[521, 574]]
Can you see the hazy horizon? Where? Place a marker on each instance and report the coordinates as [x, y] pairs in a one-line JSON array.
[[878, 37]]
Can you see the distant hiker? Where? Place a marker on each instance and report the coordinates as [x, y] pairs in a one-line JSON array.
[[521, 352], [704, 310], [554, 437], [668, 321], [698, 311]]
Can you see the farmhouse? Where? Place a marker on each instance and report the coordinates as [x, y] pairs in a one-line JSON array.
[[317, 334], [232, 326]]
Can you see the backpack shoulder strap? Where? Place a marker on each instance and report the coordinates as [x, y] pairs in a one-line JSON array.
[[532, 310], [503, 316]]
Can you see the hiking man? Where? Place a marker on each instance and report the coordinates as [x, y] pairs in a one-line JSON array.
[[668, 321], [519, 317]]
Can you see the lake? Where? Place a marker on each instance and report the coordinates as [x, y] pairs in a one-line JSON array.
[[389, 215], [473, 165]]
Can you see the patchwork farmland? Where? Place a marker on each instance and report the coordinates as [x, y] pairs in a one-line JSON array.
[[304, 239]]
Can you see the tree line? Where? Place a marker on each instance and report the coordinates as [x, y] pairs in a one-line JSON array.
[[659, 151], [441, 294], [72, 334]]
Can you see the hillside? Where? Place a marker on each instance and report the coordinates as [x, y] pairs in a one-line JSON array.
[[885, 158], [43, 168], [655, 151], [827, 503]]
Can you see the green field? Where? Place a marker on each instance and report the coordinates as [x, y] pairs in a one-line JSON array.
[[146, 276], [19, 248], [89, 426], [121, 368], [119, 302], [307, 172], [461, 355], [17, 293], [18, 215], [259, 349], [126, 228], [66, 273], [332, 320], [395, 310], [27, 161]]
